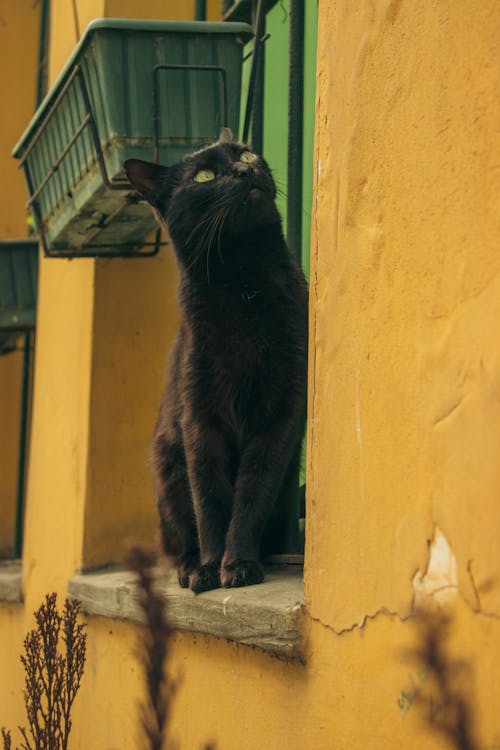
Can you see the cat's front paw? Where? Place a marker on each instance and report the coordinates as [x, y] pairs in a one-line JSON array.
[[185, 566], [205, 578], [241, 573]]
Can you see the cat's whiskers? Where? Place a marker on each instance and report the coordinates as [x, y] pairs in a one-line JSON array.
[[208, 216], [281, 188], [217, 224], [222, 220], [281, 192], [221, 224], [219, 210]]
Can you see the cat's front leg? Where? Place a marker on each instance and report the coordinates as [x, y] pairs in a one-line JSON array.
[[207, 460], [175, 506], [262, 470]]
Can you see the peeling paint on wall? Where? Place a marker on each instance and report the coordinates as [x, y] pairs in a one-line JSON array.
[[440, 578]]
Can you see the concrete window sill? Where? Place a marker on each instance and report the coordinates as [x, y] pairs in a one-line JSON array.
[[11, 583], [265, 616]]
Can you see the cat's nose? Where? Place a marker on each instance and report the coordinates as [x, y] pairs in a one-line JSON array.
[[242, 170]]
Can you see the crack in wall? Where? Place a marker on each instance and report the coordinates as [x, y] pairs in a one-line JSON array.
[[438, 583], [475, 588], [359, 626], [385, 611]]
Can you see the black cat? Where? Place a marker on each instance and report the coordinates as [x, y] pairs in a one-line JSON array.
[[228, 436]]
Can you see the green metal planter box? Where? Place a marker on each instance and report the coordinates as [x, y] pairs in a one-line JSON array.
[[151, 90], [18, 289]]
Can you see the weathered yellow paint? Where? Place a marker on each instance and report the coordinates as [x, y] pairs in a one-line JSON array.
[[135, 312], [404, 421], [10, 402], [18, 29], [404, 384], [12, 625], [406, 297]]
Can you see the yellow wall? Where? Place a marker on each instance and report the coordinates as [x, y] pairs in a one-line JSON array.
[[18, 34], [10, 403], [404, 432], [19, 22], [18, 31], [406, 295]]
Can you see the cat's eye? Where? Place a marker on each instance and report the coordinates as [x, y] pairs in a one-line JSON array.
[[204, 175], [247, 157]]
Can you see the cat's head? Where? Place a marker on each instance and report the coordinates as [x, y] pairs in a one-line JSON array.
[[210, 196]]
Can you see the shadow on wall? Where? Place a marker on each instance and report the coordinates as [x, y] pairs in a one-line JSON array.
[[438, 690]]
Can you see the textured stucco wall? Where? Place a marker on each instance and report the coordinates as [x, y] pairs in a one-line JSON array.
[[404, 434], [405, 380]]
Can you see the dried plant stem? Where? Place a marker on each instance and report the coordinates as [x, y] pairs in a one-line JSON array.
[[155, 713], [154, 653], [53, 672]]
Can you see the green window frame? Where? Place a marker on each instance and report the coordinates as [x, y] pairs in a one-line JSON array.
[[282, 128], [18, 298]]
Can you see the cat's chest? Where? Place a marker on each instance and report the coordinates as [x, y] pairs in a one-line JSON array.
[[229, 350], [234, 342], [237, 356], [237, 325]]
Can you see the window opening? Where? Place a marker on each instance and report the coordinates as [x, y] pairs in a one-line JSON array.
[[280, 121], [18, 291]]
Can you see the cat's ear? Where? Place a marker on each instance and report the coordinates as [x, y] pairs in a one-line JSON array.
[[149, 179], [226, 136]]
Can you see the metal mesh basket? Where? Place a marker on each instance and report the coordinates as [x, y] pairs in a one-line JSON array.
[[151, 90]]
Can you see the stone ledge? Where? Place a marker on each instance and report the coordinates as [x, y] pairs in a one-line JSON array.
[[265, 616], [11, 581]]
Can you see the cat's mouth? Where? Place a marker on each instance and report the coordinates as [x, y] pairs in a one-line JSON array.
[[253, 195]]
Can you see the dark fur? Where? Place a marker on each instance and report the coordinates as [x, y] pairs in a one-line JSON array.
[[228, 434]]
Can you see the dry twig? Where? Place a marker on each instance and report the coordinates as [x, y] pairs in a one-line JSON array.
[[155, 713], [154, 652], [52, 675]]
